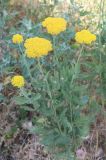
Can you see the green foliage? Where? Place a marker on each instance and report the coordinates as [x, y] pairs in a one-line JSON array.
[[68, 81], [60, 89]]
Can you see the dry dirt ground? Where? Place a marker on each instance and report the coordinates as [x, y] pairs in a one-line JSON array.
[[20, 145]]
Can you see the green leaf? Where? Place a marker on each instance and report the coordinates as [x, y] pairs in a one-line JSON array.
[[21, 100], [26, 108], [35, 97], [62, 140]]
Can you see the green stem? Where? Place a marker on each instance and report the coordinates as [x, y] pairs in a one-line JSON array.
[[25, 94], [76, 65], [72, 81], [54, 49], [50, 95], [26, 63]]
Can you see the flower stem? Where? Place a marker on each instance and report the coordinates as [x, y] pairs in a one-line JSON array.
[[25, 94], [71, 106], [50, 95], [54, 49], [76, 66], [26, 63]]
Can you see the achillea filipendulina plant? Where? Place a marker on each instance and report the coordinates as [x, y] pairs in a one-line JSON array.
[[54, 25], [37, 47], [56, 92], [85, 37], [17, 38]]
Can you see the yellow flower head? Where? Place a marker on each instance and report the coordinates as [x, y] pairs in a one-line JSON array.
[[85, 36], [17, 38], [54, 25], [37, 47], [18, 81]]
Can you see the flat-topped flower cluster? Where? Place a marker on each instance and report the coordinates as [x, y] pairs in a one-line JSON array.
[[37, 47], [85, 36]]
